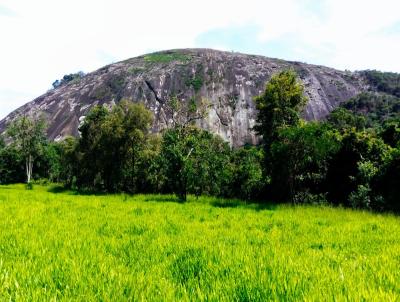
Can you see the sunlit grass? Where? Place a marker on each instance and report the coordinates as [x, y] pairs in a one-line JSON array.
[[63, 246]]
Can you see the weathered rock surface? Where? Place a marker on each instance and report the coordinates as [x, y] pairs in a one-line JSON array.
[[229, 81]]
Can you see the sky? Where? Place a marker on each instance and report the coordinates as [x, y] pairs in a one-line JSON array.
[[42, 40]]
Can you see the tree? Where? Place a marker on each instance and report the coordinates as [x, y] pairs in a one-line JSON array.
[[69, 161], [11, 165], [127, 127], [89, 150], [110, 147], [344, 171], [387, 182], [28, 135], [193, 161], [299, 159], [279, 106], [245, 179], [183, 145], [343, 119], [390, 132]]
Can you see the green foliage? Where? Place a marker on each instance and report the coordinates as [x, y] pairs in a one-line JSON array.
[[66, 247], [350, 159], [279, 106], [343, 119], [12, 166], [167, 57], [388, 82], [387, 182], [356, 161], [28, 136], [111, 146], [390, 132], [244, 174], [196, 83], [375, 107], [360, 199], [300, 158], [193, 161]]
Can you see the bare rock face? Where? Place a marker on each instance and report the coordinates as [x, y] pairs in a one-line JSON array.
[[229, 81]]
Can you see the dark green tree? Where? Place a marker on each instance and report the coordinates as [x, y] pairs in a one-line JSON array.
[[386, 184], [193, 161], [11, 165], [300, 160], [344, 175], [89, 157], [343, 119], [390, 132], [110, 147], [244, 174], [279, 106], [70, 163]]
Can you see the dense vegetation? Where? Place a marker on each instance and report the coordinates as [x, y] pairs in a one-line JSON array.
[[375, 108], [346, 160], [66, 247], [388, 82]]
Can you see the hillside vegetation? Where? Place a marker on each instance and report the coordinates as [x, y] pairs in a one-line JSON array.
[[345, 160], [62, 246]]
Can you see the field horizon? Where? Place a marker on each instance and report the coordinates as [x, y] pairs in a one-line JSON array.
[[59, 245]]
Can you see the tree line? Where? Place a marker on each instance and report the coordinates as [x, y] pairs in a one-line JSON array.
[[342, 160]]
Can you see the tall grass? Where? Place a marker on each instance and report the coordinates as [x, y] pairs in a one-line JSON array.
[[62, 246]]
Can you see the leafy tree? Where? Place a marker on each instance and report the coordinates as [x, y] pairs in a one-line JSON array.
[[279, 106], [69, 161], [387, 182], [110, 147], [148, 169], [89, 150], [388, 82], [244, 174], [343, 175], [361, 197], [376, 108], [390, 132], [28, 135], [343, 119], [193, 161], [300, 159], [11, 165], [127, 127]]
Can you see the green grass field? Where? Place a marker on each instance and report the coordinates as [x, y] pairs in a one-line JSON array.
[[62, 246]]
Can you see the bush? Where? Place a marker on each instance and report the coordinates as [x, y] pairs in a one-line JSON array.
[[360, 199]]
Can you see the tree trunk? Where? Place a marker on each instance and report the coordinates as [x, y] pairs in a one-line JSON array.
[[29, 167]]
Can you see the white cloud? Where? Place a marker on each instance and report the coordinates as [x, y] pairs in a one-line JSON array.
[[44, 39]]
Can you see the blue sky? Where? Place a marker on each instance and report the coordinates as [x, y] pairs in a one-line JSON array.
[[44, 39]]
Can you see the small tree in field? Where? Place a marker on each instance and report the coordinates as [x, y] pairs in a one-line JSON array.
[[28, 135]]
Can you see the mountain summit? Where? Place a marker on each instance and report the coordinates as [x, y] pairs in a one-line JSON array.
[[228, 80]]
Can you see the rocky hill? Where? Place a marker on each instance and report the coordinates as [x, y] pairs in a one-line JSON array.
[[228, 80]]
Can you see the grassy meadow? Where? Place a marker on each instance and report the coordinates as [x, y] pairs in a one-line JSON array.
[[63, 246]]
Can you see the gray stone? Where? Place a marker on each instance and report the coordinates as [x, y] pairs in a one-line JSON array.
[[228, 80]]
